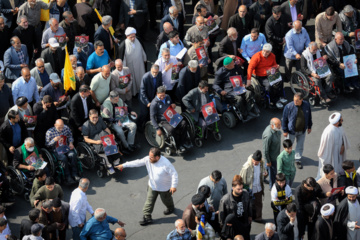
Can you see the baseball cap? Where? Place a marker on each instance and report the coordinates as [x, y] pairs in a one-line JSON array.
[[53, 42], [36, 228], [55, 78]]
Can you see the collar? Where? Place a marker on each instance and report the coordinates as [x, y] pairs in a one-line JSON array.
[[30, 6], [25, 81], [294, 32]]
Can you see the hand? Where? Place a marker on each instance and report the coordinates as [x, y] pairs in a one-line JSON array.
[[122, 26], [134, 114], [325, 57], [207, 43], [328, 194], [262, 16], [211, 209], [268, 164], [315, 75], [309, 131], [80, 225], [290, 25], [250, 219], [12, 149], [355, 61], [193, 110], [67, 39], [23, 65], [173, 105], [323, 44], [248, 83], [56, 104], [342, 149], [216, 17], [285, 134], [168, 67], [40, 88], [223, 93], [71, 146], [209, 60], [119, 167], [148, 104], [240, 50], [356, 226], [98, 142], [98, 104], [111, 64], [298, 56], [265, 174], [98, 70], [342, 66], [172, 190], [116, 40], [132, 12], [352, 34], [301, 17], [121, 223], [56, 138], [80, 128], [119, 123], [179, 63], [159, 132], [36, 202], [292, 219], [201, 65], [79, 49], [30, 168]]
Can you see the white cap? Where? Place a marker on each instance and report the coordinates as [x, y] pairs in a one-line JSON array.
[[53, 42], [334, 118], [351, 190], [328, 212], [267, 47], [130, 30]]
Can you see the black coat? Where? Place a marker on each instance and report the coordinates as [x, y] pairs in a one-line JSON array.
[[27, 37], [236, 22], [45, 120], [285, 230], [25, 227], [6, 134], [141, 12], [160, 40], [180, 29], [222, 79], [104, 36], [304, 197], [5, 36], [344, 181], [286, 13], [86, 18], [147, 90], [322, 230], [341, 218], [226, 47], [185, 82], [256, 12], [77, 114], [275, 31], [49, 57]]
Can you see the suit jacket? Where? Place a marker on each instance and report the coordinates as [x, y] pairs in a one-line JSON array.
[[236, 22], [286, 13], [192, 100], [226, 47], [5, 9], [185, 82], [255, 12], [168, 19], [141, 11], [115, 85], [104, 36], [86, 18], [160, 40], [77, 114], [48, 58], [285, 229], [35, 74], [12, 62], [147, 91], [6, 134]]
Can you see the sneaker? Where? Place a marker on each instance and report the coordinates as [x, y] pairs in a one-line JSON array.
[[297, 156], [146, 220], [283, 100], [116, 162], [279, 105], [298, 165], [182, 149], [168, 211], [111, 170]]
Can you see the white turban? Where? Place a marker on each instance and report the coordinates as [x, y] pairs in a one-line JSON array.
[[328, 212], [351, 190], [130, 30], [335, 119]]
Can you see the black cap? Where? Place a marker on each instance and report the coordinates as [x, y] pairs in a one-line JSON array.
[[257, 155], [198, 199]]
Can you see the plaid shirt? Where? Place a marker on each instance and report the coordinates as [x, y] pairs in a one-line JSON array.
[[52, 133], [21, 56]]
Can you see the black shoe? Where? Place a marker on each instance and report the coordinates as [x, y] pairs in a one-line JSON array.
[[134, 146], [146, 221], [266, 181], [188, 145], [298, 165], [356, 86], [168, 211], [8, 198], [130, 149], [331, 96], [76, 177], [182, 149]]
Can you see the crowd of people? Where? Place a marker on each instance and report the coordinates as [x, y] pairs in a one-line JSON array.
[[108, 60]]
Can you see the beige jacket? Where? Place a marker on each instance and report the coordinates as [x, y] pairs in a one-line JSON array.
[[324, 27], [115, 84], [326, 187], [247, 173]]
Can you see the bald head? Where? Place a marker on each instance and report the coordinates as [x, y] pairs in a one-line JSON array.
[[59, 125], [275, 124], [242, 11], [120, 234], [25, 73], [200, 22], [298, 26], [168, 27]]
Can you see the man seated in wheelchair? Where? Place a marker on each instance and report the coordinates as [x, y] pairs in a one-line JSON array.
[[318, 71], [6, 194], [262, 64], [27, 158], [194, 101], [159, 105], [115, 112], [223, 86], [336, 50], [59, 140], [92, 130]]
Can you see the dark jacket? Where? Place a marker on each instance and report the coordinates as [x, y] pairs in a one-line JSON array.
[[47, 219], [290, 114], [27, 37], [275, 31], [228, 205], [157, 109], [192, 100], [322, 231], [49, 90], [180, 19], [344, 180], [49, 57], [286, 13], [25, 227], [104, 36], [5, 9], [77, 114], [86, 17], [335, 57], [5, 36], [349, 24], [141, 11], [226, 47], [71, 31], [341, 218], [45, 120], [147, 90], [160, 40], [256, 10], [186, 83], [6, 100], [285, 230], [6, 134], [236, 22], [222, 79], [103, 6], [303, 197]]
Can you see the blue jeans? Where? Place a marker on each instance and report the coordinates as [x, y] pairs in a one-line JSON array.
[[300, 138], [272, 173], [76, 232], [68, 162]]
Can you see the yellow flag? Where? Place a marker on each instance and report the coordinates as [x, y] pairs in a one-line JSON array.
[[111, 29], [69, 76], [44, 14]]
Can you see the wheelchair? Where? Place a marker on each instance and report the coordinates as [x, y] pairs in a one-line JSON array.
[[306, 85], [165, 140]]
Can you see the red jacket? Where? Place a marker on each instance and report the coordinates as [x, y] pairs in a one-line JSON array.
[[258, 64]]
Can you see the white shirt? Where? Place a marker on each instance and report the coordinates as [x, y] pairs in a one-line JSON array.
[[256, 181], [5, 232], [85, 106], [166, 75], [162, 174], [78, 207], [274, 194]]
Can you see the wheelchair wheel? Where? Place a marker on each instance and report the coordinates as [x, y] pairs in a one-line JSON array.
[[16, 180], [152, 138], [48, 157], [300, 83], [312, 101], [85, 155], [198, 142], [229, 119], [100, 173], [168, 151], [217, 136], [256, 88], [27, 196], [191, 125]]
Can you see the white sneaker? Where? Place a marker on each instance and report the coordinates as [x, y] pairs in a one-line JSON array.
[[116, 162], [111, 170], [279, 105], [297, 156], [283, 100]]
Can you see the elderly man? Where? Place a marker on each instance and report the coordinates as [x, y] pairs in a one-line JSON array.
[[297, 39], [163, 180], [174, 44], [174, 19], [242, 22], [180, 231], [324, 24], [100, 86], [68, 160], [199, 29], [81, 78], [74, 63], [251, 44], [223, 86], [15, 58], [260, 63], [26, 34], [51, 32], [229, 44], [5, 35], [119, 234], [97, 227], [198, 42], [92, 130], [333, 145], [118, 82], [163, 36], [308, 56], [134, 57], [297, 121], [54, 55], [103, 34], [25, 86], [271, 139], [290, 223], [350, 19], [99, 58], [41, 73], [109, 115], [9, 10], [336, 50], [79, 205], [47, 221], [83, 53], [71, 28], [275, 29], [291, 10], [261, 11], [269, 234]]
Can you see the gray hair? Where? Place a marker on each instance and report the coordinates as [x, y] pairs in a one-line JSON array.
[[118, 61], [72, 56], [106, 20], [29, 140], [21, 18], [80, 68], [99, 213], [231, 31], [161, 89], [98, 43], [172, 8], [270, 226], [177, 222], [67, 14], [165, 50], [193, 63], [51, 20], [113, 94], [267, 47], [84, 183], [312, 44], [155, 66], [39, 60], [12, 40], [48, 204]]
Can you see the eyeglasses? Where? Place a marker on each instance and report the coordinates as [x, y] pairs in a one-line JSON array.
[[41, 66]]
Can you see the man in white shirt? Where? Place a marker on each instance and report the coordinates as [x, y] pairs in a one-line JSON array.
[[163, 180], [78, 207], [4, 233]]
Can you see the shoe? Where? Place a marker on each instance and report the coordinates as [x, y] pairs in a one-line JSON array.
[[327, 100], [116, 162], [125, 151], [76, 177], [331, 96], [356, 86], [266, 181], [351, 88], [168, 211], [146, 221], [135, 146], [297, 156], [188, 145], [182, 149], [111, 170], [259, 220], [283, 100], [279, 105], [298, 165]]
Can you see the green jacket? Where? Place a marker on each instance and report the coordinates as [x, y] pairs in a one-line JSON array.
[[286, 163], [35, 187], [271, 144], [107, 108], [43, 193]]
